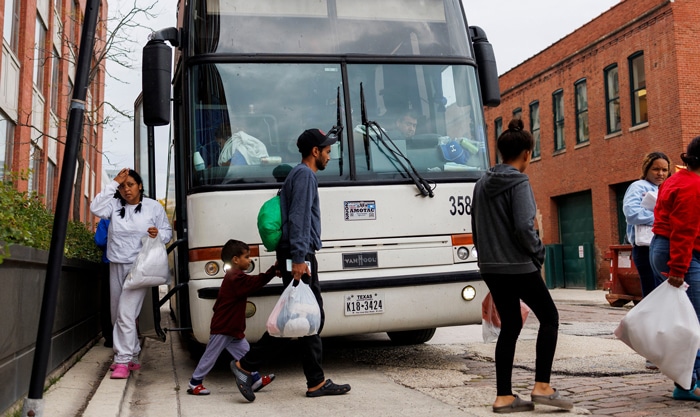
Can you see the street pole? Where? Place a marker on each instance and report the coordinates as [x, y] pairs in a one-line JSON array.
[[33, 405]]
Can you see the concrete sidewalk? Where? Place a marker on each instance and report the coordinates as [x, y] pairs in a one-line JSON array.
[[86, 390]]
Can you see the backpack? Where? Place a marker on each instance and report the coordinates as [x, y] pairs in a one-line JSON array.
[[270, 222]]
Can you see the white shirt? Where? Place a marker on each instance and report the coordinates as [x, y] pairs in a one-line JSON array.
[[125, 234]]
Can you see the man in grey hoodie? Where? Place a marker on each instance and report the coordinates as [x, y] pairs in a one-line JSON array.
[[510, 259]]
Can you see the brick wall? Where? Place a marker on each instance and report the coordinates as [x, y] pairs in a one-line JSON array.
[[666, 34]]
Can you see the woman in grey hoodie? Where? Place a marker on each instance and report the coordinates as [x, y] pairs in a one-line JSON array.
[[510, 259]]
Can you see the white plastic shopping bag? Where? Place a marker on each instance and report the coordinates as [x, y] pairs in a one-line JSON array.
[[491, 321], [296, 313], [664, 328], [151, 266]]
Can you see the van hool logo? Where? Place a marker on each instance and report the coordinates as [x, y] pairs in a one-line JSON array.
[[360, 260]]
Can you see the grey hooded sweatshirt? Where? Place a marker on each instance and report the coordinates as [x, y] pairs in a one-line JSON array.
[[503, 223]]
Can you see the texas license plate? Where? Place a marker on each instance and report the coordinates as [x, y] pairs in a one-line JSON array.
[[364, 303]]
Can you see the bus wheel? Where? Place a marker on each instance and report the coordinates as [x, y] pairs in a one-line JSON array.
[[411, 337]]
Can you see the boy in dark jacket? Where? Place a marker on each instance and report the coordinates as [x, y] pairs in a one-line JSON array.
[[228, 323]]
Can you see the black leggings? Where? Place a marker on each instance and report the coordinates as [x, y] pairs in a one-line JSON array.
[[507, 290]]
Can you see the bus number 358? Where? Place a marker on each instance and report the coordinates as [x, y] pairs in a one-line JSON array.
[[460, 205]]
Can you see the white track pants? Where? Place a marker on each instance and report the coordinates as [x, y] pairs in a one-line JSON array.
[[125, 306]]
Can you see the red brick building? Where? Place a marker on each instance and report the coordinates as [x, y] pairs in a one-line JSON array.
[[625, 84], [37, 72]]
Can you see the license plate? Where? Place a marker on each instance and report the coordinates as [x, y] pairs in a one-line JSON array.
[[364, 303]]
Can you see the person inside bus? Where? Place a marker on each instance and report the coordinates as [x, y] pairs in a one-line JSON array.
[[132, 217], [239, 148], [301, 238], [227, 329], [510, 262], [404, 126]]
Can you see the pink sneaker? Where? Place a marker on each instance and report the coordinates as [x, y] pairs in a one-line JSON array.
[[133, 366], [120, 371]]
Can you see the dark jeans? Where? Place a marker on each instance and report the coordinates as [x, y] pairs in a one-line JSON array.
[[640, 256], [507, 290], [312, 347]]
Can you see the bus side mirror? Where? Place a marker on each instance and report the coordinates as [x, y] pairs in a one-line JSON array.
[[486, 64], [156, 74]]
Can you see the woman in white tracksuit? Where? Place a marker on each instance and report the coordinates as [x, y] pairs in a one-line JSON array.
[[132, 217]]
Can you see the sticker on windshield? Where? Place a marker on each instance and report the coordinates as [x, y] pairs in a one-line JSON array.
[[360, 210]]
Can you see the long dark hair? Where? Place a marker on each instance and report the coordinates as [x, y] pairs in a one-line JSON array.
[[135, 175], [649, 161], [691, 157]]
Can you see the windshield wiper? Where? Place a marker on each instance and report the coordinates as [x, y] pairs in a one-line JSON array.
[[375, 133]]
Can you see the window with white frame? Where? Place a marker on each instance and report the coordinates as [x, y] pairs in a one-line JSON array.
[[638, 89], [612, 99], [10, 29], [581, 111], [39, 54], [55, 63], [7, 135], [51, 173]]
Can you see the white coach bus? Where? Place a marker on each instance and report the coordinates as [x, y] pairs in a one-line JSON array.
[[397, 252]]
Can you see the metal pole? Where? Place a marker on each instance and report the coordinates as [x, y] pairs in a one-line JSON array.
[[33, 405]]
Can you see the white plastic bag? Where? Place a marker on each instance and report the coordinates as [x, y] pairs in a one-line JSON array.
[[491, 321], [664, 328], [150, 268], [642, 234], [296, 313]]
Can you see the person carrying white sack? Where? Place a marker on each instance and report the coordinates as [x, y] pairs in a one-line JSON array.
[[675, 247], [132, 217]]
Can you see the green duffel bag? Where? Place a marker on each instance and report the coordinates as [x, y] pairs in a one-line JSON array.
[[270, 223]]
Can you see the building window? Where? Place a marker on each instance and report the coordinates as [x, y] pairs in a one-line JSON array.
[[50, 180], [612, 99], [39, 55], [638, 89], [535, 127], [581, 111], [56, 60], [558, 112], [518, 113], [34, 166], [7, 137], [498, 129], [10, 31]]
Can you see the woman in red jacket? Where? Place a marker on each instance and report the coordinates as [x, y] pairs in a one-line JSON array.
[[675, 248]]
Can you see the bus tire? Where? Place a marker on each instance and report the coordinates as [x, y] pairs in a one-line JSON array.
[[411, 337]]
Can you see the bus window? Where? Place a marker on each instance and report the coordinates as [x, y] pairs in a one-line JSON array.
[[421, 109], [242, 128]]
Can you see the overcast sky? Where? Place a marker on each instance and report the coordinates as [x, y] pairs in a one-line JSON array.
[[517, 30]]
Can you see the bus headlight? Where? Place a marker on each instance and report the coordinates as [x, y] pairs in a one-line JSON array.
[[463, 253], [211, 268], [251, 267], [474, 253], [468, 293]]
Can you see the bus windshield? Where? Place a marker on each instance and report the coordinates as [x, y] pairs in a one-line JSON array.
[[247, 117], [407, 27]]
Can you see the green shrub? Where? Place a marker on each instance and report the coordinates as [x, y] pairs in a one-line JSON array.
[[24, 220]]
